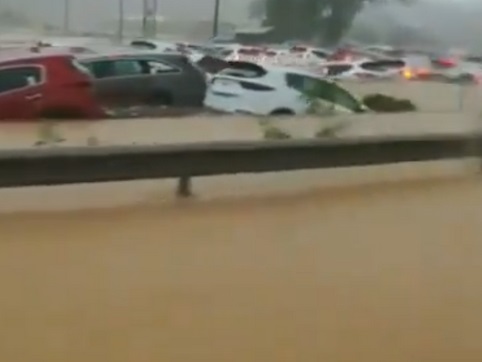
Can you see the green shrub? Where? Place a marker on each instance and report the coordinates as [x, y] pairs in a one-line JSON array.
[[271, 132], [48, 134], [274, 133], [331, 131], [385, 104]]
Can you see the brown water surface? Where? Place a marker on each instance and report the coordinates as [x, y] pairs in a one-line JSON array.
[[382, 273]]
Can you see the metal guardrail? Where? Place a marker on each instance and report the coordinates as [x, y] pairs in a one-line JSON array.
[[67, 165]]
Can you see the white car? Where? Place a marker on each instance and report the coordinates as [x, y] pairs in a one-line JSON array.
[[271, 55], [365, 69], [250, 88]]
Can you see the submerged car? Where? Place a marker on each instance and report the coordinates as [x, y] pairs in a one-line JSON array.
[[250, 88], [364, 69], [123, 79], [35, 85]]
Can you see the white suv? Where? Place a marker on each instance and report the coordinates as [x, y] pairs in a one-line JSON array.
[[250, 88]]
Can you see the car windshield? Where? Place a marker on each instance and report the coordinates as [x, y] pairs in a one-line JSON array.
[[242, 73], [80, 67], [140, 44]]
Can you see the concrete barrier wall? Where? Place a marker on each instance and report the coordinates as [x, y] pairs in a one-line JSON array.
[[440, 112], [232, 128]]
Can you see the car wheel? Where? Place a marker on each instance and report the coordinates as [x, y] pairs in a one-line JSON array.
[[282, 112], [465, 79], [160, 100], [61, 113]]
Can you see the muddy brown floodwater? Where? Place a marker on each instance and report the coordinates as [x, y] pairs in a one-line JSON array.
[[381, 273]]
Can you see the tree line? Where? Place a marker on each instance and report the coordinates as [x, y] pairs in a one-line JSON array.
[[325, 21]]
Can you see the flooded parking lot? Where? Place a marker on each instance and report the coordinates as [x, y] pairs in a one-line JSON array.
[[371, 273]]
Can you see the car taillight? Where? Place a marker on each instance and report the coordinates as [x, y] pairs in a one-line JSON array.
[[423, 71], [446, 62]]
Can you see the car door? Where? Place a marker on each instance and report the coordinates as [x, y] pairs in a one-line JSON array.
[[336, 96], [21, 91], [171, 84], [119, 82], [319, 95]]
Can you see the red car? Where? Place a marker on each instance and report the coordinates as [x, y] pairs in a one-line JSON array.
[[35, 85]]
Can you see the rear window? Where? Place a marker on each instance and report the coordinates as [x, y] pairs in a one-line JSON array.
[[105, 68], [298, 49], [474, 59], [333, 70], [141, 44], [249, 51], [270, 53], [244, 70], [383, 65], [110, 68], [320, 54], [256, 87], [223, 53], [239, 73], [19, 77]]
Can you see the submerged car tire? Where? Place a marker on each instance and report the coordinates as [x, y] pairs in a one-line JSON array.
[[62, 113], [160, 99], [282, 112], [465, 79]]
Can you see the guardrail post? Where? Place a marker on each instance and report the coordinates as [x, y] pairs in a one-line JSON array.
[[184, 187], [477, 140], [461, 97], [479, 150]]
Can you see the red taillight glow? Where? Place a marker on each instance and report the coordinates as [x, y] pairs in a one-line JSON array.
[[446, 62]]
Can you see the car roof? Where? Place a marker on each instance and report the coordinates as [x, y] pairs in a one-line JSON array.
[[125, 52], [19, 55], [275, 70], [293, 70]]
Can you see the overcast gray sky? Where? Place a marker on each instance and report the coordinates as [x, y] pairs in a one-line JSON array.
[[85, 14], [90, 12]]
